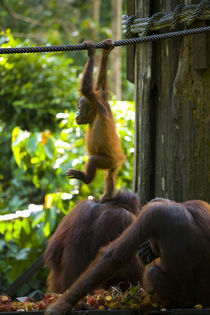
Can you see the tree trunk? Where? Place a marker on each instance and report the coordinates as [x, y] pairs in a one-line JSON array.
[[116, 54], [96, 18], [172, 95]]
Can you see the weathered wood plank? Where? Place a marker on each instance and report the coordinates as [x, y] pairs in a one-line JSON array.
[[130, 48], [143, 74], [166, 56], [199, 48], [182, 109], [172, 152], [199, 45]]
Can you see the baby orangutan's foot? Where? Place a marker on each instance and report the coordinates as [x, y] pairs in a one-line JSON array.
[[105, 197], [71, 173]]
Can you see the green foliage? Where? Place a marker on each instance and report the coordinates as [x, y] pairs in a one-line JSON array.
[[34, 88], [55, 21], [43, 85], [18, 250], [39, 141]]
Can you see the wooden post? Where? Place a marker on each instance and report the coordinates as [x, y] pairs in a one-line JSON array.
[[130, 48], [182, 151], [199, 45], [116, 53], [172, 152], [143, 168]]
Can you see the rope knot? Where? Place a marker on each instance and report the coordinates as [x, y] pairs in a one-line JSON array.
[[130, 20], [154, 18], [176, 15], [181, 14], [201, 8]]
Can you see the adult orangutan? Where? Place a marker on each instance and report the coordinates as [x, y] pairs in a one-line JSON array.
[[179, 234], [78, 238]]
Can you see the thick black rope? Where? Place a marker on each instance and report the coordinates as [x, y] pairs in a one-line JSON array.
[[124, 42], [181, 14]]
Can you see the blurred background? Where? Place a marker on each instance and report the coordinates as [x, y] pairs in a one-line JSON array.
[[39, 139]]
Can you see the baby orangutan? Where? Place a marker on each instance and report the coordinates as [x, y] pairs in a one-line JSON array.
[[102, 140]]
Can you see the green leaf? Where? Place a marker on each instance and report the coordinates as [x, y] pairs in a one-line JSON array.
[[26, 226], [35, 160], [17, 156], [44, 182], [2, 244], [17, 228], [46, 229], [49, 149], [32, 143], [51, 217], [22, 254], [21, 136], [37, 218]]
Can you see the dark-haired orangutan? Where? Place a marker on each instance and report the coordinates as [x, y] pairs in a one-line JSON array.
[[179, 234], [78, 238], [102, 140]]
